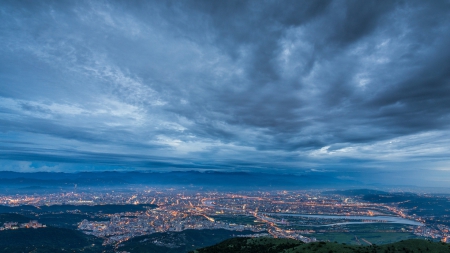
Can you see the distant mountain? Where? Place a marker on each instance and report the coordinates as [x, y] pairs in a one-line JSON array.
[[273, 245], [106, 209], [356, 192], [46, 181]]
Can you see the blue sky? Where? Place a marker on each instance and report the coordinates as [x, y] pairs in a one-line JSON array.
[[360, 89]]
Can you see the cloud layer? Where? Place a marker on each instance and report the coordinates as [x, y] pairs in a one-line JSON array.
[[352, 86]]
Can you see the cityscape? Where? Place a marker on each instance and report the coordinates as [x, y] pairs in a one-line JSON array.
[[299, 215], [232, 126]]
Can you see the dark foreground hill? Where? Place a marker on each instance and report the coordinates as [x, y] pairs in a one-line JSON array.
[[178, 242], [13, 217], [59, 240], [50, 239], [271, 245]]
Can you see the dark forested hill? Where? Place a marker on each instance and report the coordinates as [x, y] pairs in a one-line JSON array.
[[271, 245], [178, 242], [48, 239], [53, 240], [13, 217]]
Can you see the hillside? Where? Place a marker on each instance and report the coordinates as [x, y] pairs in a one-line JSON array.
[[48, 239], [271, 245], [178, 242], [13, 217]]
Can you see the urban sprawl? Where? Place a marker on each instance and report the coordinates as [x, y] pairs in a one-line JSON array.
[[294, 214]]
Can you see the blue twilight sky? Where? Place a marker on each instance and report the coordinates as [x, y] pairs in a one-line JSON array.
[[359, 89]]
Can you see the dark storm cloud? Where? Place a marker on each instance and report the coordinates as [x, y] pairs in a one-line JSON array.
[[267, 100], [225, 84], [256, 26], [121, 161]]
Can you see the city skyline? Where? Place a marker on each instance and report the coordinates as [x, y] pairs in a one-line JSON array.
[[353, 89]]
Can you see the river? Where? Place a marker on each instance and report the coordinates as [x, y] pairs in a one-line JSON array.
[[375, 219]]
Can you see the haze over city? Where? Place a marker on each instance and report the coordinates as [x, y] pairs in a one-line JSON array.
[[355, 90]]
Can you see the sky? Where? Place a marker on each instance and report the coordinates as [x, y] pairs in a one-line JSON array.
[[357, 89]]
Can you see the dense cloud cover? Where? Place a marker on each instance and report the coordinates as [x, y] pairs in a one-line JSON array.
[[360, 88]]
